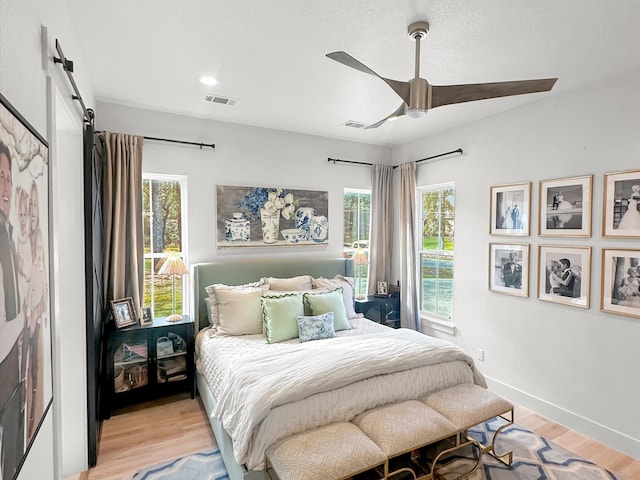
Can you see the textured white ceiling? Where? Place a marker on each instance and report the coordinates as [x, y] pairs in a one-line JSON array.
[[271, 56]]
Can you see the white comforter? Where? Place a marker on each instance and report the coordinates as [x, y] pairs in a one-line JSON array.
[[269, 393]]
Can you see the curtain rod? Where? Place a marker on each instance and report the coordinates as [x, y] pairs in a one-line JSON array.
[[67, 65], [459, 150], [183, 142]]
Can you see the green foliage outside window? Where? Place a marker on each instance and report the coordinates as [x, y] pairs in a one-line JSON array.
[[437, 253], [162, 227]]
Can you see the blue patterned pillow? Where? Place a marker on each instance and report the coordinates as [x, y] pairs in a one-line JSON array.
[[316, 327]]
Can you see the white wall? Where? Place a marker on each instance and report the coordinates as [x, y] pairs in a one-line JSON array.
[[23, 81], [577, 366], [244, 156]]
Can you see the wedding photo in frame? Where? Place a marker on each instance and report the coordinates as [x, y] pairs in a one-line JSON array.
[[620, 285], [509, 269], [26, 384], [564, 274], [621, 201], [124, 312], [565, 207], [510, 209]]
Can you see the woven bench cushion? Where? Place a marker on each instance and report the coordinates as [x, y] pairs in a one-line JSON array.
[[400, 427], [332, 452], [467, 405]]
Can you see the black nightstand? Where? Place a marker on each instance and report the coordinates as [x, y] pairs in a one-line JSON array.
[[147, 362], [385, 310]]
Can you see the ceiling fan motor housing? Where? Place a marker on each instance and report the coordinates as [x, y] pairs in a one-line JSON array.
[[418, 98]]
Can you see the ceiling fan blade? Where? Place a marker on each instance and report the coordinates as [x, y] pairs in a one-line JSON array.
[[449, 94], [398, 113], [401, 88]]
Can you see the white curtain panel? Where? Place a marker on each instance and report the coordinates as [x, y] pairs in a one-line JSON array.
[[123, 256], [409, 311], [381, 226]]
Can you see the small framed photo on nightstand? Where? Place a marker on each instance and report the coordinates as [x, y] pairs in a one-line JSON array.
[[382, 288], [147, 317], [123, 312]]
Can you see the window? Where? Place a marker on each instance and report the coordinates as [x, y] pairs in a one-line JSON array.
[[437, 250], [357, 220], [165, 220]]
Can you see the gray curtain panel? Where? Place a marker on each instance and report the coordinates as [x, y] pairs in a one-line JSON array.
[[381, 226], [409, 311], [123, 257]]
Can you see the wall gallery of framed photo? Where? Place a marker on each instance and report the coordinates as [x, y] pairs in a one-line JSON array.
[[564, 210]]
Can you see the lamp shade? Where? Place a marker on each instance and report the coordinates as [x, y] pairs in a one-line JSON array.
[[173, 265], [360, 257]]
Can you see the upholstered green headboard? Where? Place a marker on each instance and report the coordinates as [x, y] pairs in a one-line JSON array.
[[237, 271]]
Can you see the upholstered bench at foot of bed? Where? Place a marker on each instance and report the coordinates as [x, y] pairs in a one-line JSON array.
[[402, 429], [468, 405], [336, 451]]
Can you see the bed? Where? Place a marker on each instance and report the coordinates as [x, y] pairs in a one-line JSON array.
[[256, 392]]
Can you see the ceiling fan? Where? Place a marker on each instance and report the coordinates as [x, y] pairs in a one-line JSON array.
[[418, 95]]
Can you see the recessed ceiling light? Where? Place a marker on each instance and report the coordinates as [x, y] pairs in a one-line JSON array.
[[208, 81]]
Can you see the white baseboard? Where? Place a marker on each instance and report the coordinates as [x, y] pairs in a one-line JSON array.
[[612, 438]]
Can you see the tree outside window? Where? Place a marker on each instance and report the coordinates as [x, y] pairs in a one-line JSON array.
[[164, 216], [437, 250]]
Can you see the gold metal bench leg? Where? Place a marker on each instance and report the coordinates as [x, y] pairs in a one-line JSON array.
[[458, 446], [506, 457]]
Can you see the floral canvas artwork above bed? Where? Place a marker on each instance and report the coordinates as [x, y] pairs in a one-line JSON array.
[[271, 216]]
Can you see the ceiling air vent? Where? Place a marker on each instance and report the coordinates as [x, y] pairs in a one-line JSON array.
[[221, 100], [354, 124]]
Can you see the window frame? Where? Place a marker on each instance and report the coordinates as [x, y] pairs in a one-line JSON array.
[[429, 319], [184, 240], [358, 191]]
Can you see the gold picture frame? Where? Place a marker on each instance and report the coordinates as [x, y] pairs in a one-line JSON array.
[[620, 283], [509, 268], [565, 207], [621, 201], [510, 209], [564, 274]]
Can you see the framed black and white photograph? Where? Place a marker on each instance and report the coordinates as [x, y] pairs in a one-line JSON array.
[[147, 317], [564, 274], [509, 269], [620, 285], [565, 207], [382, 288], [26, 383], [124, 312], [510, 209], [621, 204]]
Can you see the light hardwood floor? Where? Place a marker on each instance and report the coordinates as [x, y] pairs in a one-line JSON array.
[[158, 431]]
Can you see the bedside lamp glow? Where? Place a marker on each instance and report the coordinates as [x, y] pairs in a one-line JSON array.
[[173, 266]]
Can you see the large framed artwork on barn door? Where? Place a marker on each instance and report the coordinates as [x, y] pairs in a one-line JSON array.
[[25, 324], [270, 216]]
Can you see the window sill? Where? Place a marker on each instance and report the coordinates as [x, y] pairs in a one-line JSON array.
[[438, 324]]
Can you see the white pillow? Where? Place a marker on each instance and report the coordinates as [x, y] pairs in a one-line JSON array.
[[212, 305], [348, 290], [299, 283], [238, 310]]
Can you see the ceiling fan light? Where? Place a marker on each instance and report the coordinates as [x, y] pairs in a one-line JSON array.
[[416, 112]]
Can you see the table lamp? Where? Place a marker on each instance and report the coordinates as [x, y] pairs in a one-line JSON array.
[[360, 259], [173, 266]]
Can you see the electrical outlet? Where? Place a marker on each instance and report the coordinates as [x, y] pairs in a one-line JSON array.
[[480, 354]]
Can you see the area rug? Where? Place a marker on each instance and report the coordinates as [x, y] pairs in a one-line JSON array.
[[200, 466], [534, 458]]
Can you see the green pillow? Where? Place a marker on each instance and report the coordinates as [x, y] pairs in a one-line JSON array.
[[329, 302], [280, 316]]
